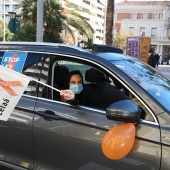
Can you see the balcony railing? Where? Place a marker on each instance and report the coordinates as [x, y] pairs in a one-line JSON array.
[[160, 38]]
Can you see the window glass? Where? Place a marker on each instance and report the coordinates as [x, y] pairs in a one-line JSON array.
[[54, 74], [6, 16], [6, 8], [1, 56], [45, 77], [133, 16], [55, 71], [32, 68], [142, 31], [155, 16], [131, 30], [14, 7], [144, 16], [168, 33], [94, 83], [153, 33], [153, 82]]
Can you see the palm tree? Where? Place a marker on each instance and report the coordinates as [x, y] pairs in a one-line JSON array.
[[55, 19], [27, 32], [109, 22], [76, 20]]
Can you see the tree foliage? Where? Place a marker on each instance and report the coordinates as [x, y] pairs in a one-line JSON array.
[[76, 20], [120, 40], [52, 21], [8, 35], [56, 19], [27, 33]]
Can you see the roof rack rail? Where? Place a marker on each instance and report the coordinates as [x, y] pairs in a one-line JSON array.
[[104, 48]]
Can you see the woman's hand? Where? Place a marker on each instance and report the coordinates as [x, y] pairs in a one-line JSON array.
[[67, 94]]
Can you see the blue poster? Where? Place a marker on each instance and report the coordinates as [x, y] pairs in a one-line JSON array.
[[14, 60]]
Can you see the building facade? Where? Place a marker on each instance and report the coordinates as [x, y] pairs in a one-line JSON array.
[[8, 6], [146, 18], [96, 17]]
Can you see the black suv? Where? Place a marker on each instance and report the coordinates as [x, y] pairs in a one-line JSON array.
[[44, 133]]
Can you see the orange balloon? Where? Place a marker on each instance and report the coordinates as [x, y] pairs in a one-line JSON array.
[[118, 141]]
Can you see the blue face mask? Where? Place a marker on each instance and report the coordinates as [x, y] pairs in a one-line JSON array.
[[77, 89]]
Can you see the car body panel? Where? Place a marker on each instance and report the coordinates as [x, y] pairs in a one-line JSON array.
[[16, 144], [79, 131], [46, 134]]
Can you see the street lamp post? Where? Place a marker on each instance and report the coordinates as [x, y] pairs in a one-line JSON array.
[[14, 23]]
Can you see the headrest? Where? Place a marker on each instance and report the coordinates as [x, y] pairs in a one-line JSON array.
[[60, 74], [93, 75]]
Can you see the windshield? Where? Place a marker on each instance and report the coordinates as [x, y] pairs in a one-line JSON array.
[[149, 79]]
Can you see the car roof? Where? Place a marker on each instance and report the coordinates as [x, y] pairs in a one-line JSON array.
[[103, 58], [59, 45], [112, 56], [50, 48]]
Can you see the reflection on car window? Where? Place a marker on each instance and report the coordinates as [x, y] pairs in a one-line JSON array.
[[54, 73], [149, 79], [1, 56], [32, 68]]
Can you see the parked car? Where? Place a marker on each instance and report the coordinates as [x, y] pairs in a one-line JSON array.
[[44, 133]]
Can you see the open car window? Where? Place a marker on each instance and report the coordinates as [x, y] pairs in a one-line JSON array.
[[58, 70]]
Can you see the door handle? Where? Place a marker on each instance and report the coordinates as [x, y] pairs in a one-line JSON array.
[[48, 115]]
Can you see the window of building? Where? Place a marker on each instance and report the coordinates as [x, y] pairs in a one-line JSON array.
[[14, 7], [131, 30], [6, 8], [99, 16], [115, 16], [98, 30], [161, 15], [142, 31], [144, 16], [155, 16], [87, 2], [102, 2], [115, 31], [6, 17], [133, 16], [99, 9], [98, 38], [153, 33], [168, 33]]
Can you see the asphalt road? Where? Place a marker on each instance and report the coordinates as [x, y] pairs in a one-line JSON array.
[[164, 69]]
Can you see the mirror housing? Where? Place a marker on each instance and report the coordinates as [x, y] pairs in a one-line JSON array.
[[124, 111]]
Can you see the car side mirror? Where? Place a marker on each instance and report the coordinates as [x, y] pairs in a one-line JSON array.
[[124, 111]]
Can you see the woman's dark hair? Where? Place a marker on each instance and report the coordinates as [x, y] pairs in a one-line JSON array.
[[75, 72]]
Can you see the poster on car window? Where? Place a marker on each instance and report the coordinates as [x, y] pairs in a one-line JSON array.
[[14, 60], [12, 86]]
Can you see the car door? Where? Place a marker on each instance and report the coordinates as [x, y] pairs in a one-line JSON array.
[[16, 143], [70, 137]]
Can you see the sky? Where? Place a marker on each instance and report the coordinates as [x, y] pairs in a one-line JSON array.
[[137, 0]]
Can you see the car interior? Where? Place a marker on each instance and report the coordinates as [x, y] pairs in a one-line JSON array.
[[59, 72]]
